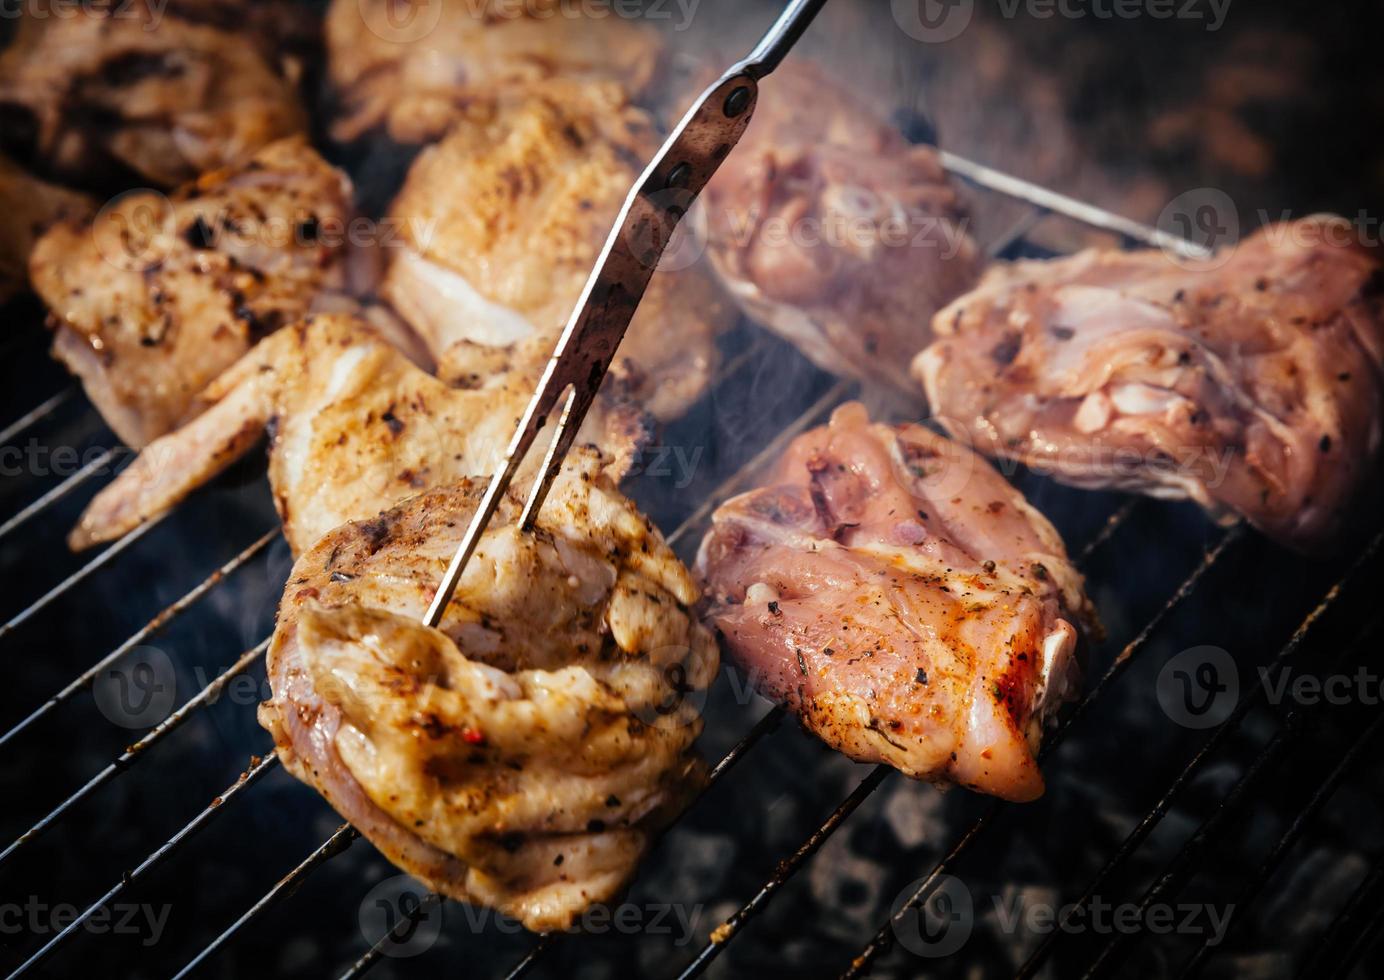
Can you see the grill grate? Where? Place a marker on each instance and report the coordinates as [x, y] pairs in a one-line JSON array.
[[1347, 938]]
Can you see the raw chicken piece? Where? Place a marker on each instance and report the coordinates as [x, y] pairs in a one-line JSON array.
[[904, 600], [503, 222], [417, 67], [124, 93], [1250, 383], [830, 229], [354, 428], [27, 207], [159, 295], [523, 756]]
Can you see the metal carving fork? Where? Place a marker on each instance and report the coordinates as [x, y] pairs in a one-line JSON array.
[[669, 185]]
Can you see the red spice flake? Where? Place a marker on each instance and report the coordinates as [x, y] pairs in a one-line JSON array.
[[473, 736]]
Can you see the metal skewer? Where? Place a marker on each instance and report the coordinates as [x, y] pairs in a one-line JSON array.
[[682, 167]]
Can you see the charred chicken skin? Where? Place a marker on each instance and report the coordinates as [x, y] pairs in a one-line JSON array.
[[1250, 382], [503, 223], [139, 93], [522, 755], [416, 68], [834, 232], [156, 296], [904, 600], [354, 427]]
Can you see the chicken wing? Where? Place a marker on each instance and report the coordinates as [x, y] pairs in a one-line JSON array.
[[522, 756], [354, 428], [904, 600], [416, 67], [833, 231], [158, 295], [503, 222], [1250, 383], [118, 95], [28, 206]]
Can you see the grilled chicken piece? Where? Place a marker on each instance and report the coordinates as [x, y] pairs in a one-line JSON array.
[[904, 600], [523, 755], [158, 295], [417, 67], [1250, 383], [354, 427], [830, 229], [503, 222], [28, 206], [129, 93]]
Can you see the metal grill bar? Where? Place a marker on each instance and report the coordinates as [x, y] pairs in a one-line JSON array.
[[883, 939], [1107, 531], [766, 724], [1181, 865], [426, 904], [58, 492], [1357, 918], [742, 477], [336, 844], [77, 577], [727, 488], [136, 751], [258, 768], [1289, 837], [723, 934], [787, 868], [154, 625], [37, 414], [1208, 749], [1048, 200], [1041, 199]]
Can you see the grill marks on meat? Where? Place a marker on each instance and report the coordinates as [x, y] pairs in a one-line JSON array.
[[157, 295], [1250, 383], [503, 221], [903, 599], [523, 755], [417, 67], [150, 95], [830, 229], [354, 427]]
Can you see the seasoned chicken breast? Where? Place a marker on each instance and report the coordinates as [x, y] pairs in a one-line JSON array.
[[137, 92], [903, 600], [523, 755], [1250, 383], [27, 207], [416, 67], [503, 223], [158, 295], [830, 229], [354, 427]]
